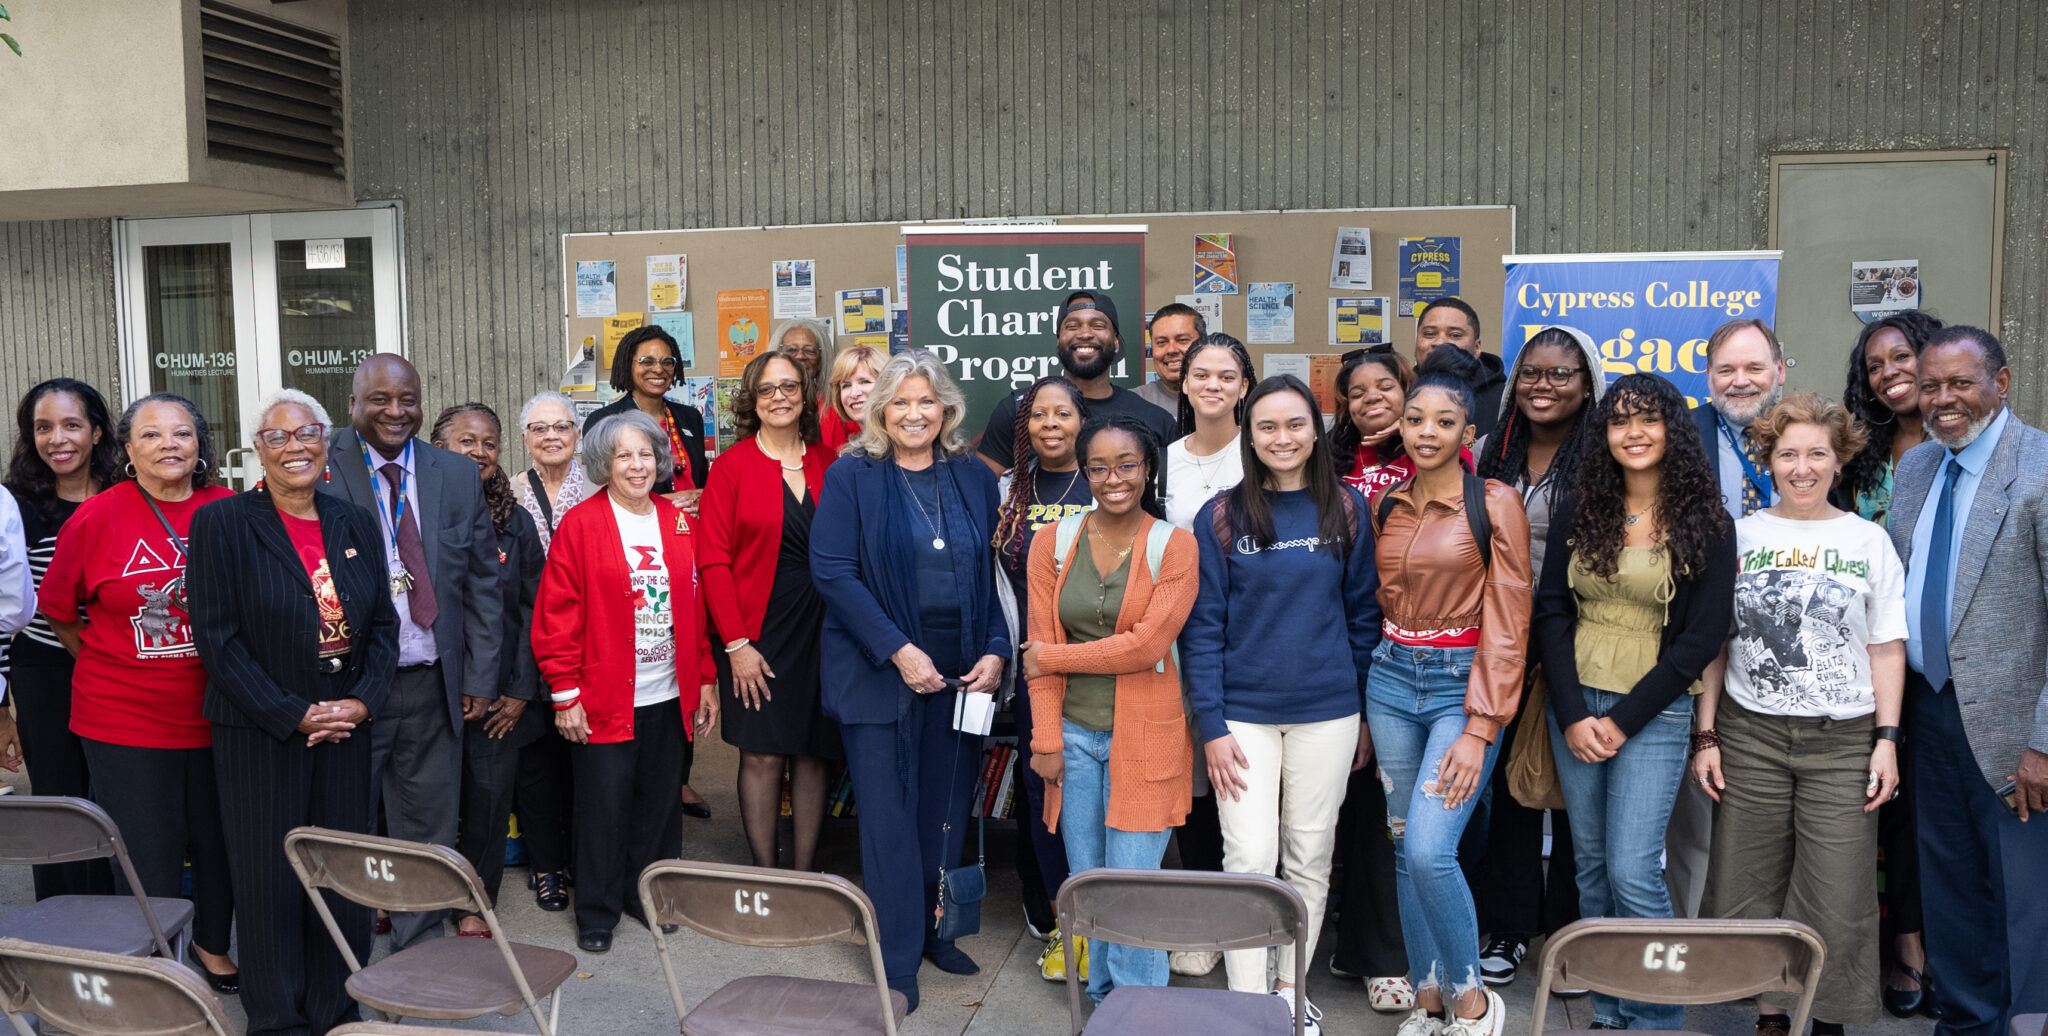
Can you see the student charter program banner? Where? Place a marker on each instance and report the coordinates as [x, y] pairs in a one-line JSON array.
[[984, 299], [1648, 311]]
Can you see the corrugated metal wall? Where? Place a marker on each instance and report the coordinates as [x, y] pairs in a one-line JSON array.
[[1611, 124], [56, 310]]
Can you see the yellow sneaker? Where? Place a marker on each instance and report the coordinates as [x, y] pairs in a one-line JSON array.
[[1052, 961]]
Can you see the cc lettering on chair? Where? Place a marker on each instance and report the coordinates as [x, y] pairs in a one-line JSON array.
[[91, 988], [378, 869], [1659, 957], [745, 902]]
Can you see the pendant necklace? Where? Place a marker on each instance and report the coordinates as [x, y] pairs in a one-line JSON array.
[[1208, 471], [938, 529]]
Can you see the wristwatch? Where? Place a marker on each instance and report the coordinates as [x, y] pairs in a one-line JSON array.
[[1891, 734]]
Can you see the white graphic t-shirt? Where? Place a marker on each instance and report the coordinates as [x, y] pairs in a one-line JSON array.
[[1810, 599], [654, 632]]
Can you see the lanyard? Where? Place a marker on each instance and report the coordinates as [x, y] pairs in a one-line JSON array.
[[1757, 481], [398, 507]]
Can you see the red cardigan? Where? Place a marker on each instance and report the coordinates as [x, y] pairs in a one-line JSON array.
[[583, 619], [740, 530], [835, 431]]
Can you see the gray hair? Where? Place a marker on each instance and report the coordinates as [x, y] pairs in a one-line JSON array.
[[916, 363], [294, 397], [526, 412], [603, 442], [817, 326]]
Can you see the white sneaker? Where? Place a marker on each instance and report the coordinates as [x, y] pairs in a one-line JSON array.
[[1311, 1022], [1488, 1024], [1419, 1023], [1193, 962]]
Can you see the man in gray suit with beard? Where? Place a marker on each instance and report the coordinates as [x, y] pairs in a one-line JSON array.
[[1970, 517], [441, 553]]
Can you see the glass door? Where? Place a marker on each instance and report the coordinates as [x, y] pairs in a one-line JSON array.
[[188, 327]]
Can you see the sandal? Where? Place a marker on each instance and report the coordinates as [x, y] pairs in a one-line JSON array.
[[550, 891], [1390, 994]]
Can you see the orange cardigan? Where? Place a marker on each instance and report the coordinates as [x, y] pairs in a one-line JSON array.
[[1151, 755]]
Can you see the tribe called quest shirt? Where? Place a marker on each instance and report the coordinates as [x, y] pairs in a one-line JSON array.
[[1810, 599]]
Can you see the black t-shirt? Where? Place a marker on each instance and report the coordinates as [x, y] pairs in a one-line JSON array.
[[997, 439]]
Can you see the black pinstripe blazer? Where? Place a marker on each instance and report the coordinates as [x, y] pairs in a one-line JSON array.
[[255, 621]]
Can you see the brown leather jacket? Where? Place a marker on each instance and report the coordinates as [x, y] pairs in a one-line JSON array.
[[1431, 579]]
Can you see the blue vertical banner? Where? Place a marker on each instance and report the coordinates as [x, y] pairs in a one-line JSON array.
[[1649, 312]]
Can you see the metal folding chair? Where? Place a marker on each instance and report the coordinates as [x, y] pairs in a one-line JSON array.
[[90, 993], [39, 829], [1158, 910], [763, 907], [1663, 961], [438, 978], [2028, 1025]]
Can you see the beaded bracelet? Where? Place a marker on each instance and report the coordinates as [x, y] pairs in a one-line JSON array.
[[1706, 739]]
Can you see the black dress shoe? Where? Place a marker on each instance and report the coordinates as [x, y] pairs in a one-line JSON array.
[[1905, 1003], [594, 942], [700, 810], [225, 985], [551, 893]]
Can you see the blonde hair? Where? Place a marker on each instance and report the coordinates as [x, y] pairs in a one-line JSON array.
[[917, 363], [850, 359], [1845, 432]]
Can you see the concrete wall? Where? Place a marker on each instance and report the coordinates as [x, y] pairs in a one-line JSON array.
[[98, 95], [1612, 125]]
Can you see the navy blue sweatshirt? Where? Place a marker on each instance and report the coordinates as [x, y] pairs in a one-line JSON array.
[[1283, 634]]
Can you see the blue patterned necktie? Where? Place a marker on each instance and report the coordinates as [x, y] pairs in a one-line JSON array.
[[1935, 590]]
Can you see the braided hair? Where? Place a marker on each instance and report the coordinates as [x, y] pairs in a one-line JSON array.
[[1152, 501], [1013, 525], [1861, 471], [1506, 456], [1184, 415], [497, 485]]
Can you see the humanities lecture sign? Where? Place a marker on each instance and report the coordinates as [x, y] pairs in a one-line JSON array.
[[1648, 312], [984, 299]]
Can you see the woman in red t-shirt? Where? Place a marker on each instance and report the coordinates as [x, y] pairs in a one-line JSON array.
[[1372, 385], [115, 596]]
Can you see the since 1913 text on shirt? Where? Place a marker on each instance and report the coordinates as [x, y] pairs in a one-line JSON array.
[[654, 632]]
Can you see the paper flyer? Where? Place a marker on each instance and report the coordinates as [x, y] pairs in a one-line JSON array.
[[1277, 364], [581, 375], [722, 405], [668, 283], [903, 275], [698, 392], [863, 311], [1881, 287], [683, 328], [1429, 271], [742, 325], [1210, 306], [617, 327], [1351, 260], [794, 294], [1269, 313], [899, 327], [1215, 265], [1358, 321], [1322, 378], [597, 288]]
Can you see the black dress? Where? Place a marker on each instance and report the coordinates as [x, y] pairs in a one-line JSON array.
[[791, 721]]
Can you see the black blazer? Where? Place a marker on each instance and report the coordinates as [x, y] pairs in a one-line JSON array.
[[520, 560], [689, 422], [1702, 610], [254, 619]]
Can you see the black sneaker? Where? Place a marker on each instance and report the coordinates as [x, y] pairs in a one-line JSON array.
[[1497, 963]]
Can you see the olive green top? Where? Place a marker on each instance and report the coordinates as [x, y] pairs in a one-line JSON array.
[[1089, 603], [1621, 620]]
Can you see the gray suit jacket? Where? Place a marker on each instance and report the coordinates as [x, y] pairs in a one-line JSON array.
[[1998, 621], [462, 555]]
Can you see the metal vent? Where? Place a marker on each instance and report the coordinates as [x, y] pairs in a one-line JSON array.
[[273, 92]]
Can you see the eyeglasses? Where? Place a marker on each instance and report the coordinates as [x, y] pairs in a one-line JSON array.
[[792, 389], [559, 428], [1126, 471], [667, 363], [800, 350], [1553, 375], [275, 438]]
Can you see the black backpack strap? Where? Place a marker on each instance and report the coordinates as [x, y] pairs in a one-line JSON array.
[[1385, 506], [1476, 517]]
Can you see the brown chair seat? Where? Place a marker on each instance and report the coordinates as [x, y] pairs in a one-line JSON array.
[[1143, 1010], [454, 978], [776, 1005], [103, 924]]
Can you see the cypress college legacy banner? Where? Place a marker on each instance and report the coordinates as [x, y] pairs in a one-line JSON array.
[[984, 298], [1649, 311]]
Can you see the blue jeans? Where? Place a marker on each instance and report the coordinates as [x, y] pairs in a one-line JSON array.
[[1619, 811], [1091, 842], [1415, 704]]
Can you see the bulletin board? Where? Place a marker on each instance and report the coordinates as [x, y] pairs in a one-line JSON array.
[[1293, 245]]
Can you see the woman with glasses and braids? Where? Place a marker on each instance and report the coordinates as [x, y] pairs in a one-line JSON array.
[[1367, 441], [1110, 590], [1043, 486], [491, 745], [1216, 376], [756, 567]]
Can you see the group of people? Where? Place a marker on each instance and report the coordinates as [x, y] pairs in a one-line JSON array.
[[1741, 642]]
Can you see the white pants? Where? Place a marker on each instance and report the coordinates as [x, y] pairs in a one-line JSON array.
[[1295, 833]]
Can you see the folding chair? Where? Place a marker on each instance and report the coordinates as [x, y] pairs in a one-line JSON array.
[[1183, 910], [2028, 1025], [384, 1029], [760, 906], [1661, 961], [37, 829], [106, 994], [439, 978]]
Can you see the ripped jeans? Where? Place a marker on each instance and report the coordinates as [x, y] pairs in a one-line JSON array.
[[1415, 704]]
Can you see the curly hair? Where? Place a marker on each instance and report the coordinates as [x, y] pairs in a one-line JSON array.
[[498, 498], [1506, 456], [1690, 517], [204, 472], [1861, 471], [1012, 519], [1345, 435], [746, 415], [1846, 434], [29, 477], [1184, 412]]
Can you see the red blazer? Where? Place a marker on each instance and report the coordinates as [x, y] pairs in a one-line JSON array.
[[740, 530], [583, 620]]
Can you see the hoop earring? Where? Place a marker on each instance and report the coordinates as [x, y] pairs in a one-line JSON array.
[[128, 469], [201, 468]]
